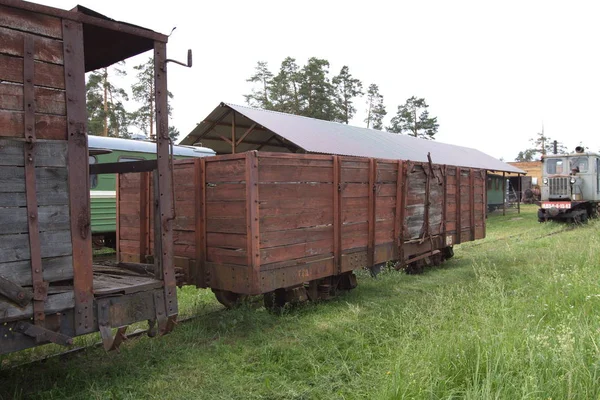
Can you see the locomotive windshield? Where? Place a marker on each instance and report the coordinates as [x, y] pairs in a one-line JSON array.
[[580, 164], [555, 166]]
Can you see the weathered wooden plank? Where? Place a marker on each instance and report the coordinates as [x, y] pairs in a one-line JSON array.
[[30, 22], [52, 127], [45, 49], [295, 236], [303, 220], [294, 162], [54, 304], [48, 153], [226, 240], [271, 192], [225, 208], [44, 74], [286, 173], [297, 251], [354, 175], [355, 190], [47, 101], [12, 179], [54, 269], [226, 225], [226, 256], [226, 170], [226, 191], [15, 247], [50, 218]]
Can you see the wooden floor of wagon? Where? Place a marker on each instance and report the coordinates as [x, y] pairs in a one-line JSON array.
[[114, 280]]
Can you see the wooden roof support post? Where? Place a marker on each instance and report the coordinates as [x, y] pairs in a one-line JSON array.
[[165, 187], [503, 193], [519, 194], [233, 143]]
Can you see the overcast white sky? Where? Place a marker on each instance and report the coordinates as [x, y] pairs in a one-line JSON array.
[[491, 72]]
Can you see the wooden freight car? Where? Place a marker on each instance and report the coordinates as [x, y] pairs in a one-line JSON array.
[[49, 289], [292, 226]]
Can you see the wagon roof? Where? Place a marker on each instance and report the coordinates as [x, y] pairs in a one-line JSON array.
[[276, 131], [106, 41]]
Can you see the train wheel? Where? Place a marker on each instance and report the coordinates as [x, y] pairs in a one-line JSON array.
[[275, 301], [229, 299], [347, 281]]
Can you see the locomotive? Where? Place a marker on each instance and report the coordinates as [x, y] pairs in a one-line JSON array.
[[570, 190]]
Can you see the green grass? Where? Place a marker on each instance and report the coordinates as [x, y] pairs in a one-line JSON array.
[[514, 316]]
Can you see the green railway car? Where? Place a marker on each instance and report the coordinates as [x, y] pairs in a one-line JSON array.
[[495, 192], [103, 187]]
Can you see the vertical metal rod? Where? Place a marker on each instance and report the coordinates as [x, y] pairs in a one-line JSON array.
[[398, 212], [144, 215], [372, 211], [337, 216]]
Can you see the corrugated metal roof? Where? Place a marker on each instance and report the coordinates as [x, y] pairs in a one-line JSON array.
[[318, 136]]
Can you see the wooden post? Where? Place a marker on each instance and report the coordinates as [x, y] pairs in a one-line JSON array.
[[202, 278], [164, 223], [78, 164], [233, 133], [503, 193], [252, 222], [40, 288], [472, 202], [519, 193], [398, 217], [458, 206]]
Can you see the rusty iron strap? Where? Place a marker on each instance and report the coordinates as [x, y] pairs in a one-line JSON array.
[[40, 288]]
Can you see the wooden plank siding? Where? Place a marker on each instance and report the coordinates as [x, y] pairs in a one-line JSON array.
[[33, 107], [312, 220]]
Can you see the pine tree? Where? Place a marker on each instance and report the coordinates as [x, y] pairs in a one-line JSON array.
[[316, 93], [285, 88], [346, 89], [413, 119], [143, 92], [260, 98], [375, 110], [106, 113]]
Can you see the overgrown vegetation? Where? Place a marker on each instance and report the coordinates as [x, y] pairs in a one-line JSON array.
[[513, 316]]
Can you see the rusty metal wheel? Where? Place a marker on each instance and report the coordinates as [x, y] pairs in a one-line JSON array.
[[229, 299]]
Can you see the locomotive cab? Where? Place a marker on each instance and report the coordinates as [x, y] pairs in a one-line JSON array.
[[570, 186]]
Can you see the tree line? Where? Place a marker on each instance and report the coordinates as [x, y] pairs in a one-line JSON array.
[[540, 146], [308, 90], [106, 111]]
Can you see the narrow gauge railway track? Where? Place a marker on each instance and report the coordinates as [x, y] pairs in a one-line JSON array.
[[80, 349], [483, 243]]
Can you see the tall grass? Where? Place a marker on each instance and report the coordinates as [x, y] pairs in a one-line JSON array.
[[511, 317]]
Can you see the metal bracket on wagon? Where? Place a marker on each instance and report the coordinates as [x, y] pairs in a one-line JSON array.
[[41, 334]]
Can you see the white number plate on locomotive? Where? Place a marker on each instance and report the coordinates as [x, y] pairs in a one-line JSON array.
[[564, 205]]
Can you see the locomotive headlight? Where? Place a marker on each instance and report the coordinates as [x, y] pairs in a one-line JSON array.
[[545, 180], [573, 180]]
